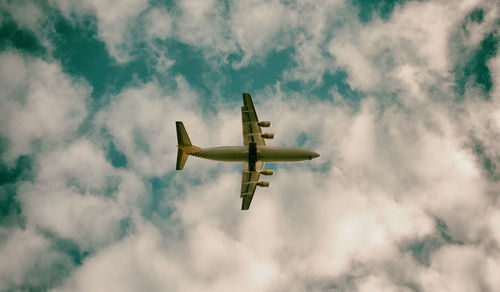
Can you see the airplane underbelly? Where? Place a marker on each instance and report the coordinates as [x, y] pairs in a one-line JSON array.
[[283, 154], [228, 153]]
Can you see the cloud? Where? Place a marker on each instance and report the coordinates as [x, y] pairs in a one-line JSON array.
[[39, 103], [41, 108], [20, 252], [159, 23], [203, 25], [27, 15], [316, 27], [142, 123], [260, 25], [479, 23], [494, 64], [30, 17], [451, 263], [401, 199], [74, 195], [249, 30], [417, 35], [322, 225], [374, 283], [114, 19]]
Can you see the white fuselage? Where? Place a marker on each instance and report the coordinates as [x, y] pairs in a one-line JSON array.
[[264, 153]]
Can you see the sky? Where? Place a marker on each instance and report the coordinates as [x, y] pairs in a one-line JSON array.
[[400, 98]]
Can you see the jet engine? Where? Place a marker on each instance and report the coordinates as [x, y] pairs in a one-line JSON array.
[[264, 124], [266, 172], [263, 184], [267, 135]]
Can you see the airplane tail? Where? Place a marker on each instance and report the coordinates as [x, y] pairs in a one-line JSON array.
[[185, 148]]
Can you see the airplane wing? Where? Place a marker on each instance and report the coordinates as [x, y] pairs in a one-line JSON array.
[[251, 137], [249, 181], [251, 129]]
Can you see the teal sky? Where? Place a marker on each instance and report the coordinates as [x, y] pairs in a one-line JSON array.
[[400, 98]]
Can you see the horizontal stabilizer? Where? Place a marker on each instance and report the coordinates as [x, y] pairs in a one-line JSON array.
[[182, 141], [181, 159], [182, 136]]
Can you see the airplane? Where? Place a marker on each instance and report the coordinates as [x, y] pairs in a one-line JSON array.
[[253, 154]]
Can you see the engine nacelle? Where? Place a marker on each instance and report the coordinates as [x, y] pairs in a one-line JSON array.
[[267, 135], [263, 184], [264, 124], [267, 172]]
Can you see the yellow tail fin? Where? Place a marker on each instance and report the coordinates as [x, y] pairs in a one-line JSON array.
[[181, 159], [184, 145]]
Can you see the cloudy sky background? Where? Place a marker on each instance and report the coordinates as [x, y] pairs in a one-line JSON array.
[[400, 98]]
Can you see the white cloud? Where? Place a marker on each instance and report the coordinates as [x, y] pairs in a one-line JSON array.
[[20, 252], [39, 103], [31, 17], [417, 34], [361, 212], [378, 284], [204, 25], [475, 32], [457, 268], [142, 123], [317, 21], [27, 15], [136, 263], [386, 174], [249, 28], [491, 276], [358, 147], [92, 221], [159, 23], [73, 195], [311, 62], [79, 161], [362, 74], [259, 26], [147, 261], [115, 21], [494, 65]]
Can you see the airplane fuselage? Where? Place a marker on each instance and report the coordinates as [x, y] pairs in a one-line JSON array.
[[264, 153]]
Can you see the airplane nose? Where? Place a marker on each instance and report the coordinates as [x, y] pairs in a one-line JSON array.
[[313, 155]]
